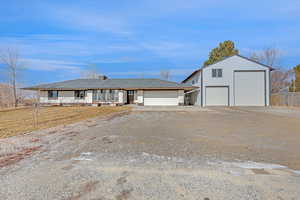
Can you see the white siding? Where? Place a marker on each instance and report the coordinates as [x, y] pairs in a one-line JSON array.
[[180, 97], [66, 97], [140, 96], [125, 96], [195, 80], [121, 97]]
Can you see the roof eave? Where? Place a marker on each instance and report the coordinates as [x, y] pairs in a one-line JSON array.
[[192, 74], [131, 88]]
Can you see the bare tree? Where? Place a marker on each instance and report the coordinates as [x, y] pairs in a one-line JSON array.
[[268, 56], [165, 74], [36, 109], [271, 56], [6, 95], [10, 58], [256, 56], [280, 78]]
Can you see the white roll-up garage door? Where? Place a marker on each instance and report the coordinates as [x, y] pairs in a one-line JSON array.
[[249, 88], [217, 96], [161, 98]]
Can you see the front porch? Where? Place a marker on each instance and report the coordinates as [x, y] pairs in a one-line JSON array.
[[117, 97]]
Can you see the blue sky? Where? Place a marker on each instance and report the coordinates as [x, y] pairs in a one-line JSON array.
[[59, 40]]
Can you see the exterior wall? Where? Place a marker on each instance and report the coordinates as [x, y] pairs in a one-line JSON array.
[[195, 80], [121, 97], [180, 97], [89, 96], [140, 97], [66, 97], [229, 66], [124, 96]]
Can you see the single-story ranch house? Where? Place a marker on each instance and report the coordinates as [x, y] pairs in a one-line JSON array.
[[233, 81], [149, 92]]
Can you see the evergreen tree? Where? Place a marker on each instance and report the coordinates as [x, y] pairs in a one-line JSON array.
[[295, 86], [224, 50]]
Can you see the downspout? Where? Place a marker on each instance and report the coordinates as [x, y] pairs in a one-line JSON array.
[[270, 87], [202, 88]]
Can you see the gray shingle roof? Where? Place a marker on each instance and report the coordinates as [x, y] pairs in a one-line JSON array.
[[111, 84]]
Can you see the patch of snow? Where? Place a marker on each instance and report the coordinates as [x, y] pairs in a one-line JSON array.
[[145, 154], [83, 158], [86, 154], [256, 165], [296, 171]]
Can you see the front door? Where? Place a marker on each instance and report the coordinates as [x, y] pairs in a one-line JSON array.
[[130, 96]]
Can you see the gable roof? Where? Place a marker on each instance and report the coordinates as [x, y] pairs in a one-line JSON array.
[[192, 74], [251, 60], [84, 84]]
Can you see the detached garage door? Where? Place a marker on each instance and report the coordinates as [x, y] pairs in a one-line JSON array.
[[249, 88], [217, 96], [161, 98]]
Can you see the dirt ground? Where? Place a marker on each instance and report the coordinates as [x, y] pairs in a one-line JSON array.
[[159, 153], [26, 119]]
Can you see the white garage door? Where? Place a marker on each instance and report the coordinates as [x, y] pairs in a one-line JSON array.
[[217, 96], [161, 98], [249, 88]]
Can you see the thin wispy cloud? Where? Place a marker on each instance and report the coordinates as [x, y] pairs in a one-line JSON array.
[[50, 65], [156, 73], [86, 19], [135, 37]]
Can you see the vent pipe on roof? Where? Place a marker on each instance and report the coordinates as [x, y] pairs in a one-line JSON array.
[[102, 77]]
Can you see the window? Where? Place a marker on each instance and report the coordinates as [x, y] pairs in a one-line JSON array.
[[106, 95], [53, 94], [217, 73], [79, 94], [111, 95], [193, 82], [135, 95]]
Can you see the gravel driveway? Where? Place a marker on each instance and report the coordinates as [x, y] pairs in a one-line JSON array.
[[167, 153]]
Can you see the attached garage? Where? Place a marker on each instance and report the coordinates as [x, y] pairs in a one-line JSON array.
[[161, 98], [217, 95], [249, 88]]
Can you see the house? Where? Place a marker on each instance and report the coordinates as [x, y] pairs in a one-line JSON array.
[[150, 92], [233, 81]]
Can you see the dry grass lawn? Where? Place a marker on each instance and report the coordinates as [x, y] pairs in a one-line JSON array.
[[20, 121]]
